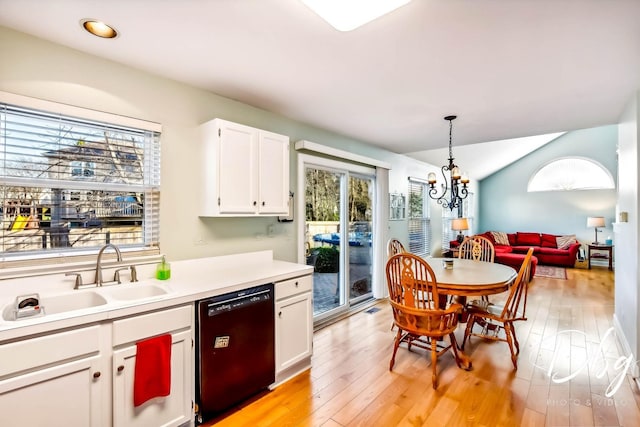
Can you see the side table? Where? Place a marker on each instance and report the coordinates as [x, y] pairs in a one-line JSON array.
[[599, 255]]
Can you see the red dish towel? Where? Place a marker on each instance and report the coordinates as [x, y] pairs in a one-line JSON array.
[[152, 374]]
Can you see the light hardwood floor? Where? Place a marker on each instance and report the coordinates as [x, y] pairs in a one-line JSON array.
[[350, 383]]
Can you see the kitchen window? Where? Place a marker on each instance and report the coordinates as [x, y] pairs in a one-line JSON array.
[[72, 180]]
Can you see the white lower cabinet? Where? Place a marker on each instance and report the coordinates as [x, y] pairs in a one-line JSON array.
[[55, 379], [294, 327], [84, 376], [174, 409]]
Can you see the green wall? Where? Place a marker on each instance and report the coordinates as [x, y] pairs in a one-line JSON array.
[[41, 69], [505, 204]]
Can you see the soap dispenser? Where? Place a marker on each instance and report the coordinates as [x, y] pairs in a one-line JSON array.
[[163, 270]]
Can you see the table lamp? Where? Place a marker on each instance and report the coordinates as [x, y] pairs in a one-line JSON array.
[[459, 224], [595, 221]]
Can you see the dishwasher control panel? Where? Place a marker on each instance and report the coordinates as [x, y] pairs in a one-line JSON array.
[[241, 299]]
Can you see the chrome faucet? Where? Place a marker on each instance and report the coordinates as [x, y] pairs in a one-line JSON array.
[[99, 261]]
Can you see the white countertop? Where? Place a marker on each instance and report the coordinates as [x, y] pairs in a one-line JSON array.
[[190, 281]]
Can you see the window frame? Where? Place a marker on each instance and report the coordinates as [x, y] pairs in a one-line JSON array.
[[573, 178]]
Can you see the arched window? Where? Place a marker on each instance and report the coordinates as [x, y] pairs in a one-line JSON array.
[[571, 173]]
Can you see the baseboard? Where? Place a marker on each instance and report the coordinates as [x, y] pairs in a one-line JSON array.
[[626, 349], [317, 325], [291, 372]]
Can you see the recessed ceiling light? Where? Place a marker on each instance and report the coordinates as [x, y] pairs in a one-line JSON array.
[[346, 15], [99, 28]]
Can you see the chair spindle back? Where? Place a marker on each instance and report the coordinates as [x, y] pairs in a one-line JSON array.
[[477, 248], [394, 247], [516, 305], [412, 281]]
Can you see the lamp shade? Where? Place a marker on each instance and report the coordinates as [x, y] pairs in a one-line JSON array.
[[459, 224], [595, 221]]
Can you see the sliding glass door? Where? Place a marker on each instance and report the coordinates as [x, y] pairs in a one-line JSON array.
[[323, 244], [338, 235], [360, 217]]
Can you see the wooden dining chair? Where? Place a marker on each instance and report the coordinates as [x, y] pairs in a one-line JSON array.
[[496, 322], [414, 298], [477, 248], [395, 246]]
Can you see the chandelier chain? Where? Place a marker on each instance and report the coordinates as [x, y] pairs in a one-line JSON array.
[[450, 133]]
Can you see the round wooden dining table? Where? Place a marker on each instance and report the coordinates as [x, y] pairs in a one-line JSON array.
[[469, 277]]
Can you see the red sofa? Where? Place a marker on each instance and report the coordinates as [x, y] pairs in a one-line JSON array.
[[545, 248]]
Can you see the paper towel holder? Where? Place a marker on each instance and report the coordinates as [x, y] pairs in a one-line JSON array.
[[289, 217]]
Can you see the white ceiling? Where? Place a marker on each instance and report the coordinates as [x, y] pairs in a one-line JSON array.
[[499, 153], [508, 69]]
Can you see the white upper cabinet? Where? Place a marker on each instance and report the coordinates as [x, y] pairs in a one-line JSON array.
[[235, 168], [273, 182], [246, 170]]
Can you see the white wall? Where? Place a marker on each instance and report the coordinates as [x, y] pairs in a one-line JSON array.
[[627, 247], [40, 69]]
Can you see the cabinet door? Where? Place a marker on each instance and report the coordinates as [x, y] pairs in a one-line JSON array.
[[67, 394], [237, 169], [294, 330], [274, 173], [172, 410]]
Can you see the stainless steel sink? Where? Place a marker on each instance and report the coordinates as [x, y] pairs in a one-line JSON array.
[[135, 291]]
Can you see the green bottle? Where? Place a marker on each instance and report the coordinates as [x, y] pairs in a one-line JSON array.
[[163, 270]]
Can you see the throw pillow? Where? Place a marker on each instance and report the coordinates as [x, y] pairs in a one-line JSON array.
[[488, 235], [564, 242], [500, 238]]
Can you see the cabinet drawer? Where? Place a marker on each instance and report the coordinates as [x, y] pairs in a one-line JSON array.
[[35, 352], [294, 286], [147, 325]]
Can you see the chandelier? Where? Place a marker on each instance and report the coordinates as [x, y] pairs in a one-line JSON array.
[[454, 186]]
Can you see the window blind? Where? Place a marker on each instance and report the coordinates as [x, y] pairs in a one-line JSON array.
[[70, 184], [418, 218]]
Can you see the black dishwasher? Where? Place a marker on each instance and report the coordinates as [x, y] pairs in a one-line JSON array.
[[235, 348]]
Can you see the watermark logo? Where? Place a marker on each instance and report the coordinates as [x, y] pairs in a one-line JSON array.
[[562, 359]]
